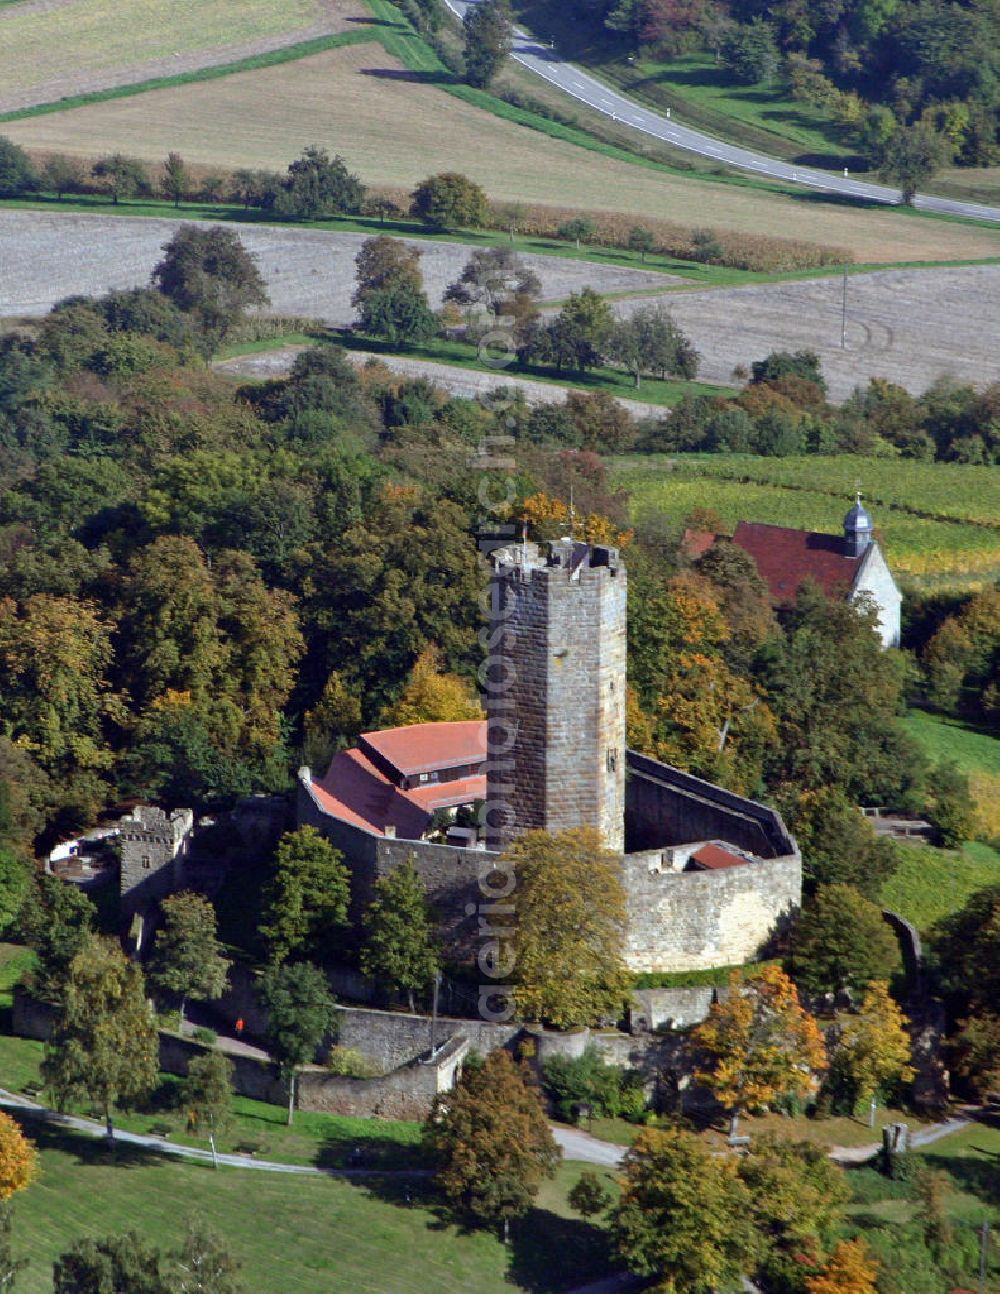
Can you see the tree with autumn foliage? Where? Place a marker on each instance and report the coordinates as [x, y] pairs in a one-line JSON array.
[[702, 715], [851, 1270], [548, 517], [797, 1197], [874, 1049], [565, 953], [432, 695], [759, 1044], [489, 1142], [684, 1217], [18, 1158]]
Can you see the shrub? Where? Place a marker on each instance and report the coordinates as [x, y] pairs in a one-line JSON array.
[[588, 1079], [346, 1062], [206, 1036]]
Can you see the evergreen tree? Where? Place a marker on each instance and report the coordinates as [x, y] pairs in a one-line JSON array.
[[489, 1142], [488, 28], [589, 1196], [399, 933]]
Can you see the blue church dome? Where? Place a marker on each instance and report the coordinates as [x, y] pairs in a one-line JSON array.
[[858, 529]]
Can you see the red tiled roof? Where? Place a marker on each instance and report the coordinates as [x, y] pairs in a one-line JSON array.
[[714, 858], [695, 543], [786, 558], [424, 747], [354, 791]]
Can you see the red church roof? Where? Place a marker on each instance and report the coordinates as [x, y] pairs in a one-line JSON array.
[[786, 558]]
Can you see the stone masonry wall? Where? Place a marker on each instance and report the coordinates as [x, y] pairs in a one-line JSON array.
[[561, 692], [692, 920]]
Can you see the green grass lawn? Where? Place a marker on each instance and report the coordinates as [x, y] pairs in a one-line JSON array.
[[973, 750], [295, 1235], [933, 883], [322, 1140]]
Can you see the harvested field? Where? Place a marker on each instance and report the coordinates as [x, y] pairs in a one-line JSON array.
[[51, 49], [44, 258], [394, 130], [910, 326]]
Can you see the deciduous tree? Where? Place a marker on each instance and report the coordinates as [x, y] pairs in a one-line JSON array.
[[187, 955], [565, 954], [589, 1196], [797, 1196], [317, 186], [842, 942], [176, 180], [641, 240], [874, 1048], [104, 1043], [306, 901], [17, 175], [448, 201], [400, 948], [204, 1263], [909, 158], [15, 885], [432, 695], [967, 946], [57, 923], [300, 1011], [488, 28], [648, 341], [493, 277], [759, 1043], [18, 1159], [850, 1271], [489, 1142], [211, 275], [123, 176], [121, 1264], [684, 1217], [207, 1095]]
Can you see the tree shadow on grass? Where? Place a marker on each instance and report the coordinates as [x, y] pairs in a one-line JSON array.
[[978, 1173], [550, 1253], [362, 21], [371, 1154], [89, 1152], [415, 78]]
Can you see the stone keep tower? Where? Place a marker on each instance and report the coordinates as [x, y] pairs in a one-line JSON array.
[[559, 622]]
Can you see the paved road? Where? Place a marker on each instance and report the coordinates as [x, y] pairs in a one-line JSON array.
[[546, 63]]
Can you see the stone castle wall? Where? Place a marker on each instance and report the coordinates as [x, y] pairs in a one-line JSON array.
[[680, 921]]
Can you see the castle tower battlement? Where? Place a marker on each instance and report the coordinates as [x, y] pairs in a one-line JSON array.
[[559, 628]]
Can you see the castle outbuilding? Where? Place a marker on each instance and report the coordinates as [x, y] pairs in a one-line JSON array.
[[709, 876]]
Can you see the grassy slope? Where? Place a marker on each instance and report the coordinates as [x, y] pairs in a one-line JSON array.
[[943, 738], [932, 883], [811, 492], [294, 1235]]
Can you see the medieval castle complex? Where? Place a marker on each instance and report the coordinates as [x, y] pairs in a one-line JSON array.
[[709, 875]]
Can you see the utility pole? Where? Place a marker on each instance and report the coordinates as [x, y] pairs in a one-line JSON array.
[[843, 314]]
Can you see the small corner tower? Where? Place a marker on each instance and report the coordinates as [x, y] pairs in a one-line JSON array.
[[559, 629], [858, 530]]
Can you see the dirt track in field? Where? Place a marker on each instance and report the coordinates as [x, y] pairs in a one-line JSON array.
[[335, 16], [910, 326], [46, 257]]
